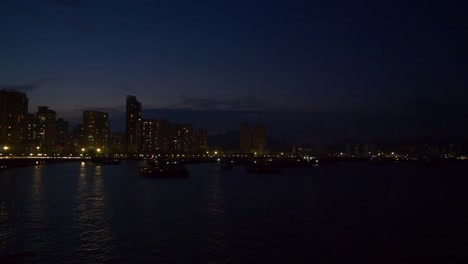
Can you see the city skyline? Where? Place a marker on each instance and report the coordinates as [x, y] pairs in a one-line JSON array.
[[245, 131], [281, 144], [27, 134], [326, 71]]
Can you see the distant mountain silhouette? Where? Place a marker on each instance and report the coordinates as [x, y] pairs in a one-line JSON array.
[[230, 141], [459, 145]]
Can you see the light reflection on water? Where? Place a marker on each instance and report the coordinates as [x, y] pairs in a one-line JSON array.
[[5, 230], [93, 214], [91, 217], [218, 233], [39, 221]]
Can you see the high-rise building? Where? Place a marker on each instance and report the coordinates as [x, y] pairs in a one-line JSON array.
[[31, 141], [46, 126], [13, 110], [163, 137], [200, 141], [76, 140], [156, 136], [96, 132], [245, 138], [149, 132], [181, 138], [61, 136], [132, 125], [259, 139], [118, 143]]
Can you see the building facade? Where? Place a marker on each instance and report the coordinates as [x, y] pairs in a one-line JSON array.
[[46, 127], [253, 141], [13, 111], [149, 136], [132, 125], [259, 139], [163, 144], [31, 138], [156, 136], [96, 132], [61, 136], [117, 143], [200, 141], [245, 138], [181, 138], [76, 140]]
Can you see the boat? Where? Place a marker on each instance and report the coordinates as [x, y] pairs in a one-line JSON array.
[[151, 162], [259, 167], [164, 170], [328, 161], [227, 165], [106, 161], [295, 163], [431, 161], [382, 161]]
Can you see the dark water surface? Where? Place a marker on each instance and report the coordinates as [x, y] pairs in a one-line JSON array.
[[84, 213]]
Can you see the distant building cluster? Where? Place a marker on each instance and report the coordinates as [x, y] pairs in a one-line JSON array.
[[150, 136], [41, 133], [253, 140], [418, 149]]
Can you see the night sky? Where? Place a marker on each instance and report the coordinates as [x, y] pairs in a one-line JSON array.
[[312, 71]]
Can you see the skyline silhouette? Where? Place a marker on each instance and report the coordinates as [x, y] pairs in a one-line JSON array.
[[325, 70]]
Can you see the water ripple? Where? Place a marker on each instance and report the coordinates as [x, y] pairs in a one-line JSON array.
[[83, 213]]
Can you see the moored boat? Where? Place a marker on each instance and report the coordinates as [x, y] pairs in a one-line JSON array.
[[262, 168], [164, 169], [106, 161], [227, 165]]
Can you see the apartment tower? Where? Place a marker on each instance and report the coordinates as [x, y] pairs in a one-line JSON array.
[[132, 125], [96, 132]]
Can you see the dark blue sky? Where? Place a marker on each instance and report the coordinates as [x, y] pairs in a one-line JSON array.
[[313, 71]]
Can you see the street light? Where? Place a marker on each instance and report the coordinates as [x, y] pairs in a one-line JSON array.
[[37, 150], [6, 148]]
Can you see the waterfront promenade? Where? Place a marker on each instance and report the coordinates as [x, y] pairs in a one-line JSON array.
[[15, 162]]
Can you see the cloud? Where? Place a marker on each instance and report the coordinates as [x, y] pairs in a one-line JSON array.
[[116, 114], [243, 103], [26, 87], [20, 87], [320, 127], [89, 107]]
